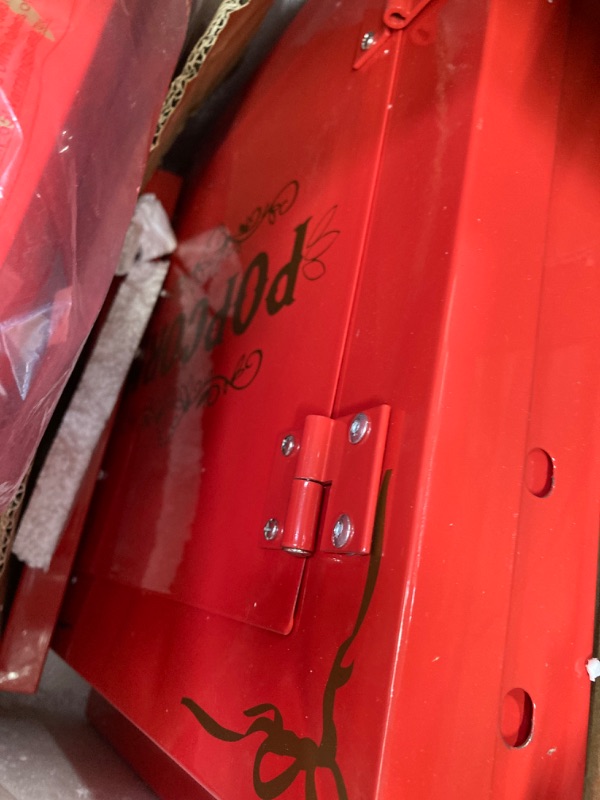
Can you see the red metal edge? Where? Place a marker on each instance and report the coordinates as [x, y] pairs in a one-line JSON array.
[[152, 764], [167, 187], [34, 611]]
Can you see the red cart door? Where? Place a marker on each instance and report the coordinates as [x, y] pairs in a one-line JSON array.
[[388, 225]]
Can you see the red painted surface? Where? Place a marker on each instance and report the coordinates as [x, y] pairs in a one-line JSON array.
[[461, 289], [132, 744], [208, 404]]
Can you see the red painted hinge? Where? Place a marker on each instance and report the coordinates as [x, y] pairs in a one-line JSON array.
[[396, 17], [326, 480]]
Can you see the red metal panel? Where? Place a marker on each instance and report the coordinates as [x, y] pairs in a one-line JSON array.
[[460, 364], [549, 635], [131, 743], [414, 671], [250, 338]]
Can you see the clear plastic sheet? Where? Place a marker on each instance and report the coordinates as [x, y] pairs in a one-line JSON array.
[[82, 426], [81, 87]]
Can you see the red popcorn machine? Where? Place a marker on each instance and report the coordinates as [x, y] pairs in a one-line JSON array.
[[345, 544]]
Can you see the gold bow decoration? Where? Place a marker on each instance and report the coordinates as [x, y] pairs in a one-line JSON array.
[[279, 741]]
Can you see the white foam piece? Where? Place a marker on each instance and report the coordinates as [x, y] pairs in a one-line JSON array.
[[593, 668], [99, 387]]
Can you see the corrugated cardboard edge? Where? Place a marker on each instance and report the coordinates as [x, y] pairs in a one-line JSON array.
[[215, 54], [9, 521], [8, 525]]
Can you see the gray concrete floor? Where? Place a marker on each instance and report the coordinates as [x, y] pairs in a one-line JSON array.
[[48, 751]]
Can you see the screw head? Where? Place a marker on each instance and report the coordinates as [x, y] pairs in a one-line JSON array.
[[342, 531], [288, 445], [367, 41], [359, 428], [271, 529]]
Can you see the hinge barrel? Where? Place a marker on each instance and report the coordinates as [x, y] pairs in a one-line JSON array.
[[313, 458], [302, 518], [399, 13]]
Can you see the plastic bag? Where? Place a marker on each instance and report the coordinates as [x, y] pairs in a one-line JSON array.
[[81, 86]]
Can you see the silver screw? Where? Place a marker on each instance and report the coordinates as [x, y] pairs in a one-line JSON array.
[[342, 531], [359, 427], [271, 529], [367, 41], [288, 445]]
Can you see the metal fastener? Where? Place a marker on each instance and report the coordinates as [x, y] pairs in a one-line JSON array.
[[367, 41], [271, 529], [342, 531], [296, 551], [359, 427], [288, 445]]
